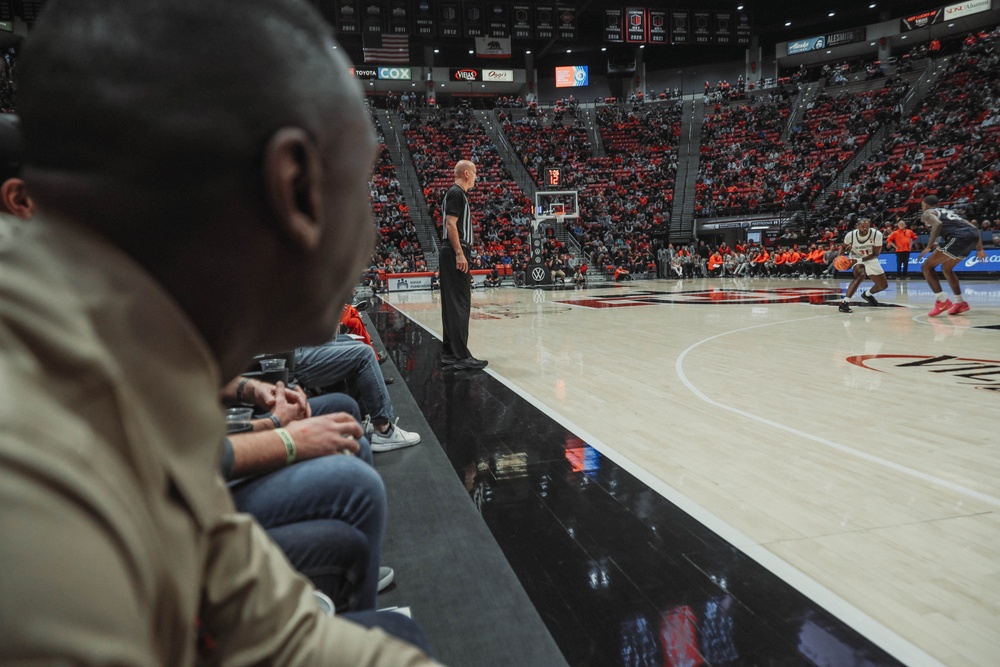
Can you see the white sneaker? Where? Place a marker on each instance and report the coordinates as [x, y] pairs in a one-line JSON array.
[[394, 438], [385, 577]]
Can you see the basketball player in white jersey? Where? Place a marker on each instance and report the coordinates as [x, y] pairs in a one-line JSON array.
[[952, 238], [863, 245]]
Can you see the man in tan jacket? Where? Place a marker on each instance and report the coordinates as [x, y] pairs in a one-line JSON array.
[[200, 173]]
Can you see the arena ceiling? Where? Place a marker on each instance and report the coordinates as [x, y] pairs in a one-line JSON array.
[[769, 19]]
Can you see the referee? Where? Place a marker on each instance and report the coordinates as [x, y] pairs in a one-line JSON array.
[[456, 291]]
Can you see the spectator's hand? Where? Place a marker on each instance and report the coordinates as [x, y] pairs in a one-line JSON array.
[[288, 405], [324, 435]]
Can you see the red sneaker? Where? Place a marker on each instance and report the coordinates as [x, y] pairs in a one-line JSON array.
[[940, 307], [960, 307]]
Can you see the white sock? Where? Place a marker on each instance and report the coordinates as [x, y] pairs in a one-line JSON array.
[[958, 298], [940, 296], [868, 292]]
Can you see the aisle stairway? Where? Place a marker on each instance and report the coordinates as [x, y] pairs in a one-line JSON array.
[[682, 225]]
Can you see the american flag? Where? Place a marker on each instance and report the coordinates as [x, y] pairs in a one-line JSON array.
[[380, 48]]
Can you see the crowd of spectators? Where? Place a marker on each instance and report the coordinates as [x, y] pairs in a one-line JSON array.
[[949, 146], [744, 167], [397, 248], [437, 139], [747, 168]]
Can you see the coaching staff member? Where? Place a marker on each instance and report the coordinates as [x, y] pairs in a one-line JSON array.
[[456, 291]]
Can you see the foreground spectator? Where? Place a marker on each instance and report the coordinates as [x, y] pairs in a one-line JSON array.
[[117, 337]]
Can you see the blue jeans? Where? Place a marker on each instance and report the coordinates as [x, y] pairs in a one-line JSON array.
[[345, 359], [327, 514]]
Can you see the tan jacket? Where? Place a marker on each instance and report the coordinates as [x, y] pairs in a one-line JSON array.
[[116, 534]]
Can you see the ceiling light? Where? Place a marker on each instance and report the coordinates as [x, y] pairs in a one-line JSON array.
[[739, 8], [528, 52], [642, 46], [873, 5], [788, 23], [903, 37], [828, 51], [832, 14], [437, 50], [604, 48], [951, 25], [470, 52], [569, 50]]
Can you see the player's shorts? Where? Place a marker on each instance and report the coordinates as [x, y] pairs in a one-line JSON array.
[[958, 247], [873, 267]]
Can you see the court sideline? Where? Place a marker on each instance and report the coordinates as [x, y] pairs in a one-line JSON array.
[[850, 455]]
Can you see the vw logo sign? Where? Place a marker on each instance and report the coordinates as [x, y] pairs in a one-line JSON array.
[[538, 274]]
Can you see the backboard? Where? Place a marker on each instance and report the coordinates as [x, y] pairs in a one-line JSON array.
[[552, 203]]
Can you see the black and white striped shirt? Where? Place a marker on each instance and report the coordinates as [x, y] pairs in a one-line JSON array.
[[456, 203]]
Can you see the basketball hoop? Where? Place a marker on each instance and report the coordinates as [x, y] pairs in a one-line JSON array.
[[560, 219]]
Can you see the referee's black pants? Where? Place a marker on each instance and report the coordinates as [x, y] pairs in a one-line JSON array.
[[456, 304]]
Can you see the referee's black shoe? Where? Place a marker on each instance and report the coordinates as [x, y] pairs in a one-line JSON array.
[[469, 364]]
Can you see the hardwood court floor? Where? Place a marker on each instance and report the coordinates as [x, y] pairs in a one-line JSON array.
[[854, 455]]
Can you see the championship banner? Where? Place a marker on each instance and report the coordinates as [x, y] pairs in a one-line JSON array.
[[473, 19], [657, 26], [423, 19], [373, 17], [493, 47], [921, 20], [723, 28], [702, 27], [498, 19], [545, 22], [521, 28], [744, 28], [613, 25], [348, 22], [680, 28], [399, 17], [566, 20], [635, 24], [846, 37], [449, 22], [966, 9]]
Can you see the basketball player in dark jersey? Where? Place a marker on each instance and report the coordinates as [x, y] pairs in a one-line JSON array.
[[955, 237]]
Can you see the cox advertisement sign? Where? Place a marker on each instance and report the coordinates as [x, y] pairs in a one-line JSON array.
[[806, 45], [970, 264], [394, 73]]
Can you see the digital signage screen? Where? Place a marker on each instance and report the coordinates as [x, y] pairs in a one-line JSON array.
[[572, 76]]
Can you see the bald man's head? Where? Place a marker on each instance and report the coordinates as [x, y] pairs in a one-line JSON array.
[[169, 96]]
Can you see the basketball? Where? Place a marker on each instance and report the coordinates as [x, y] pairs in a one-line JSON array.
[[842, 263]]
